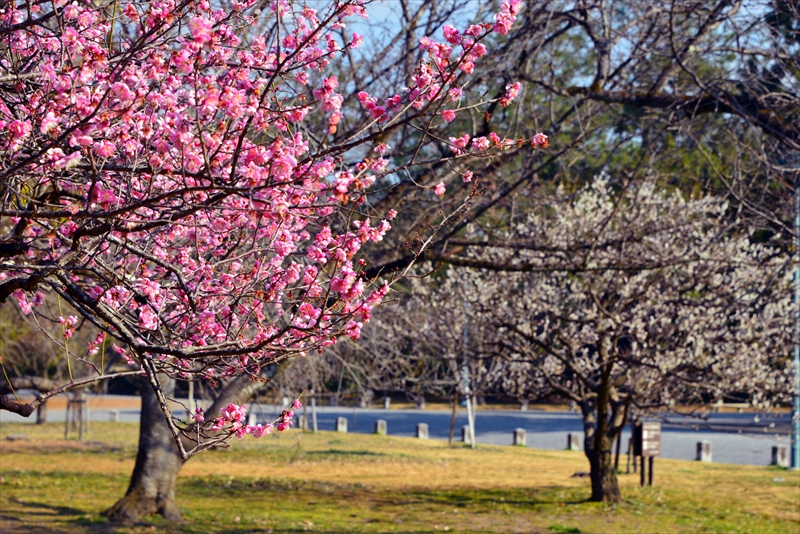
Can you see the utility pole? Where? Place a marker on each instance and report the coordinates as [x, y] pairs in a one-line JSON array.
[[796, 299]]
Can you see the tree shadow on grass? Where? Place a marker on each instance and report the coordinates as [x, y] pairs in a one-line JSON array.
[[552, 495], [339, 452], [40, 518], [48, 509]]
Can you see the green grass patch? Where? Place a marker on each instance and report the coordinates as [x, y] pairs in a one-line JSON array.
[[363, 483]]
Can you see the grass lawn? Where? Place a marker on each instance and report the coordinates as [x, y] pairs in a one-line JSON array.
[[328, 482]]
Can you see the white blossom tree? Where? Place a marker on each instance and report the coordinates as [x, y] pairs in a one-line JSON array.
[[631, 298]]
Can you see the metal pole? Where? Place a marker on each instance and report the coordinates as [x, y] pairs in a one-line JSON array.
[[468, 398], [313, 412], [467, 390], [796, 299], [191, 397]]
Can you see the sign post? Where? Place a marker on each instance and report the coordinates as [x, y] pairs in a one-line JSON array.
[[647, 444]]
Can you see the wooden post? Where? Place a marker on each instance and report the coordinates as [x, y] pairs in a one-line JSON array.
[[41, 413], [66, 419], [453, 419], [619, 446], [81, 406], [642, 474], [650, 468], [630, 452]]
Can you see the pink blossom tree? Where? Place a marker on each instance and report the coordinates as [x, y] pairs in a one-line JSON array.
[[184, 176]]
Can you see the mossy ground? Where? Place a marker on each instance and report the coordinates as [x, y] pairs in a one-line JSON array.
[[331, 482]]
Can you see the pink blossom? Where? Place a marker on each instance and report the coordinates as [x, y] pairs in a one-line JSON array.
[[512, 90], [147, 319], [198, 416], [19, 129], [201, 29], [540, 140], [104, 148], [439, 189], [451, 34], [122, 91], [448, 115], [480, 143], [467, 177]]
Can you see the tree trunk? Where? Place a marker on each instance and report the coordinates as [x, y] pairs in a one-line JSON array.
[[605, 487], [152, 487], [158, 462], [41, 414], [599, 436]]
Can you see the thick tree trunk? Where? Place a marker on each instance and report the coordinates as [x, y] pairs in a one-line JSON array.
[[605, 486], [152, 487], [601, 425], [158, 462]]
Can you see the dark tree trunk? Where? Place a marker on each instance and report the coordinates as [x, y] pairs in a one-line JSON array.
[[41, 414], [605, 486], [158, 462], [152, 487], [602, 422]]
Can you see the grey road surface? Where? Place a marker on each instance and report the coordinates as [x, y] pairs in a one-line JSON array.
[[736, 438]]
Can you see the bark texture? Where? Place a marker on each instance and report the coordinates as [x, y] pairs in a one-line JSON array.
[[605, 486], [152, 487], [603, 419], [158, 462]]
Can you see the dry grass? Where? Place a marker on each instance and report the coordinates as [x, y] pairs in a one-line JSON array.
[[355, 483]]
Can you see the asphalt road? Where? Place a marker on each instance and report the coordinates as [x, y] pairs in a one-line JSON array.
[[735, 438], [548, 430]]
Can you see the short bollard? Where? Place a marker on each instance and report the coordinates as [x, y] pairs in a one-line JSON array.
[[113, 416], [519, 438], [421, 404], [523, 405], [341, 424], [380, 427], [387, 403], [703, 451], [780, 456], [285, 402], [302, 422], [252, 419], [466, 437], [422, 430], [573, 442]]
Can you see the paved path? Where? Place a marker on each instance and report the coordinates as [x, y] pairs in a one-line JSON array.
[[736, 438], [548, 430]]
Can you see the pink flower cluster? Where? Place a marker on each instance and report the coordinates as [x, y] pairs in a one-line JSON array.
[[232, 419], [507, 15], [181, 193]]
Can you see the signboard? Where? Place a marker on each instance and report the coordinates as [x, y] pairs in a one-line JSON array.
[[647, 439]]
